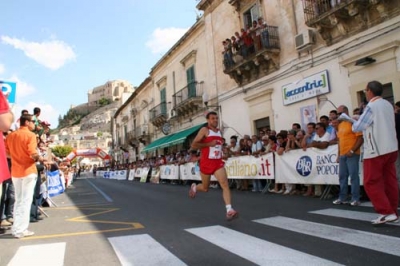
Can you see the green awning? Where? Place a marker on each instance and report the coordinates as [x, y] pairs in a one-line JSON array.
[[173, 139]]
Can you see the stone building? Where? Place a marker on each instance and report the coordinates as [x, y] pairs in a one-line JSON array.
[[307, 57], [112, 91]]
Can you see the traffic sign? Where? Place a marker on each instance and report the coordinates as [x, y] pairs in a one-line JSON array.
[[9, 88]]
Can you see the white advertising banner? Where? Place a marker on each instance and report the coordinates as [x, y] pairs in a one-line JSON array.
[[112, 175], [138, 172], [120, 174], [306, 88], [169, 172], [155, 175], [313, 166], [144, 174], [131, 175], [189, 171], [250, 167]]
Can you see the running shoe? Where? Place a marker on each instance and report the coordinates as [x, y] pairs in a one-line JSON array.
[[339, 202], [355, 203], [192, 191], [385, 218], [232, 214]]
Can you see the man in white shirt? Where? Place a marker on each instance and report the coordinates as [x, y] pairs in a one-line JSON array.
[[321, 137], [377, 123], [320, 141]]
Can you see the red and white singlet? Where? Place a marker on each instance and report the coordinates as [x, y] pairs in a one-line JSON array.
[[211, 157]]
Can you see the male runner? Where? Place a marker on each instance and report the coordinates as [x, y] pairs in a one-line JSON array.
[[209, 140]]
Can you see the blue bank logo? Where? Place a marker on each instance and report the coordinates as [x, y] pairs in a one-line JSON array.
[[304, 166]]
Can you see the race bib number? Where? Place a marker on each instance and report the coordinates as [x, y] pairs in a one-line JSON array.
[[215, 152]]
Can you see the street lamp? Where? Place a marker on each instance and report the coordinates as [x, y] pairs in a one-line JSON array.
[[324, 98]]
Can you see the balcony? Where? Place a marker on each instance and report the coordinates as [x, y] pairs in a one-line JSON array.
[[339, 19], [251, 64], [188, 100], [158, 114]]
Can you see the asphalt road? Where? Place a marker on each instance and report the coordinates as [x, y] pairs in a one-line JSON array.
[[109, 222]]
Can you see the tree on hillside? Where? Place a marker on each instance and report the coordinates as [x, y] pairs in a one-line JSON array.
[[62, 151], [104, 101]]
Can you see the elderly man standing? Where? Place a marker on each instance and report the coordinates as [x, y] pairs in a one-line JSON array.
[[21, 145], [348, 157], [380, 153]]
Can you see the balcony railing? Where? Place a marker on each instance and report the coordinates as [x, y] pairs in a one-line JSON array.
[[158, 114], [142, 130], [244, 65], [339, 19], [192, 90], [158, 110]]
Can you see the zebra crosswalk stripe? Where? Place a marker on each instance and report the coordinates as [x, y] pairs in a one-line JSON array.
[[353, 215], [142, 250], [377, 242], [254, 249], [43, 254]]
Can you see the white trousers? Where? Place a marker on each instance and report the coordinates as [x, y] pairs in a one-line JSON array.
[[24, 187]]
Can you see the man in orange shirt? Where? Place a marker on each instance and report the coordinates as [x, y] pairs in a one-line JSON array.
[[348, 157], [21, 145]]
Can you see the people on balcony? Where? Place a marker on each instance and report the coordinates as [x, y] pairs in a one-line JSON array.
[[228, 55], [262, 31], [251, 39]]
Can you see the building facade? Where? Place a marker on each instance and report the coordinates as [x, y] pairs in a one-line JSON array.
[[306, 58], [327, 52]]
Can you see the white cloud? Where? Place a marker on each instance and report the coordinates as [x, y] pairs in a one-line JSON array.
[[48, 112], [23, 88], [2, 69], [163, 39], [51, 54]]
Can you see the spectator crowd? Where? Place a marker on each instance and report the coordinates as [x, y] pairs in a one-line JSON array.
[[22, 176]]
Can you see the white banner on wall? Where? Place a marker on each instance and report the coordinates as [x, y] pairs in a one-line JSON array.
[[169, 172], [250, 167], [131, 175], [191, 171], [313, 166], [306, 88]]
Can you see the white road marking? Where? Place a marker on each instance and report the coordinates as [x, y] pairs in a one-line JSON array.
[[353, 215], [100, 191], [254, 249], [43, 255], [377, 242], [142, 250]]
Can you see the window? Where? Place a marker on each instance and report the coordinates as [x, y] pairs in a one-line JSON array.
[[262, 124], [250, 15], [387, 94], [191, 82], [163, 100]]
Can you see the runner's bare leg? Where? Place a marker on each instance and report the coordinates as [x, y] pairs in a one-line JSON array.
[[205, 183], [222, 178]]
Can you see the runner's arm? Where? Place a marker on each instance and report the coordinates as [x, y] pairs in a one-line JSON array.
[[197, 142]]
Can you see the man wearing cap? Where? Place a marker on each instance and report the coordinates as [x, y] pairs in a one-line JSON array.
[[21, 145]]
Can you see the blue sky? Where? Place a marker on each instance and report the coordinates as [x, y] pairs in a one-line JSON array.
[[58, 50]]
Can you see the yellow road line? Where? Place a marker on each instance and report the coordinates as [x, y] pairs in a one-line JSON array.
[[83, 219], [83, 233]]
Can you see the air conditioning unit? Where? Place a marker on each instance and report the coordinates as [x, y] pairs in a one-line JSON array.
[[172, 113], [304, 39]]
